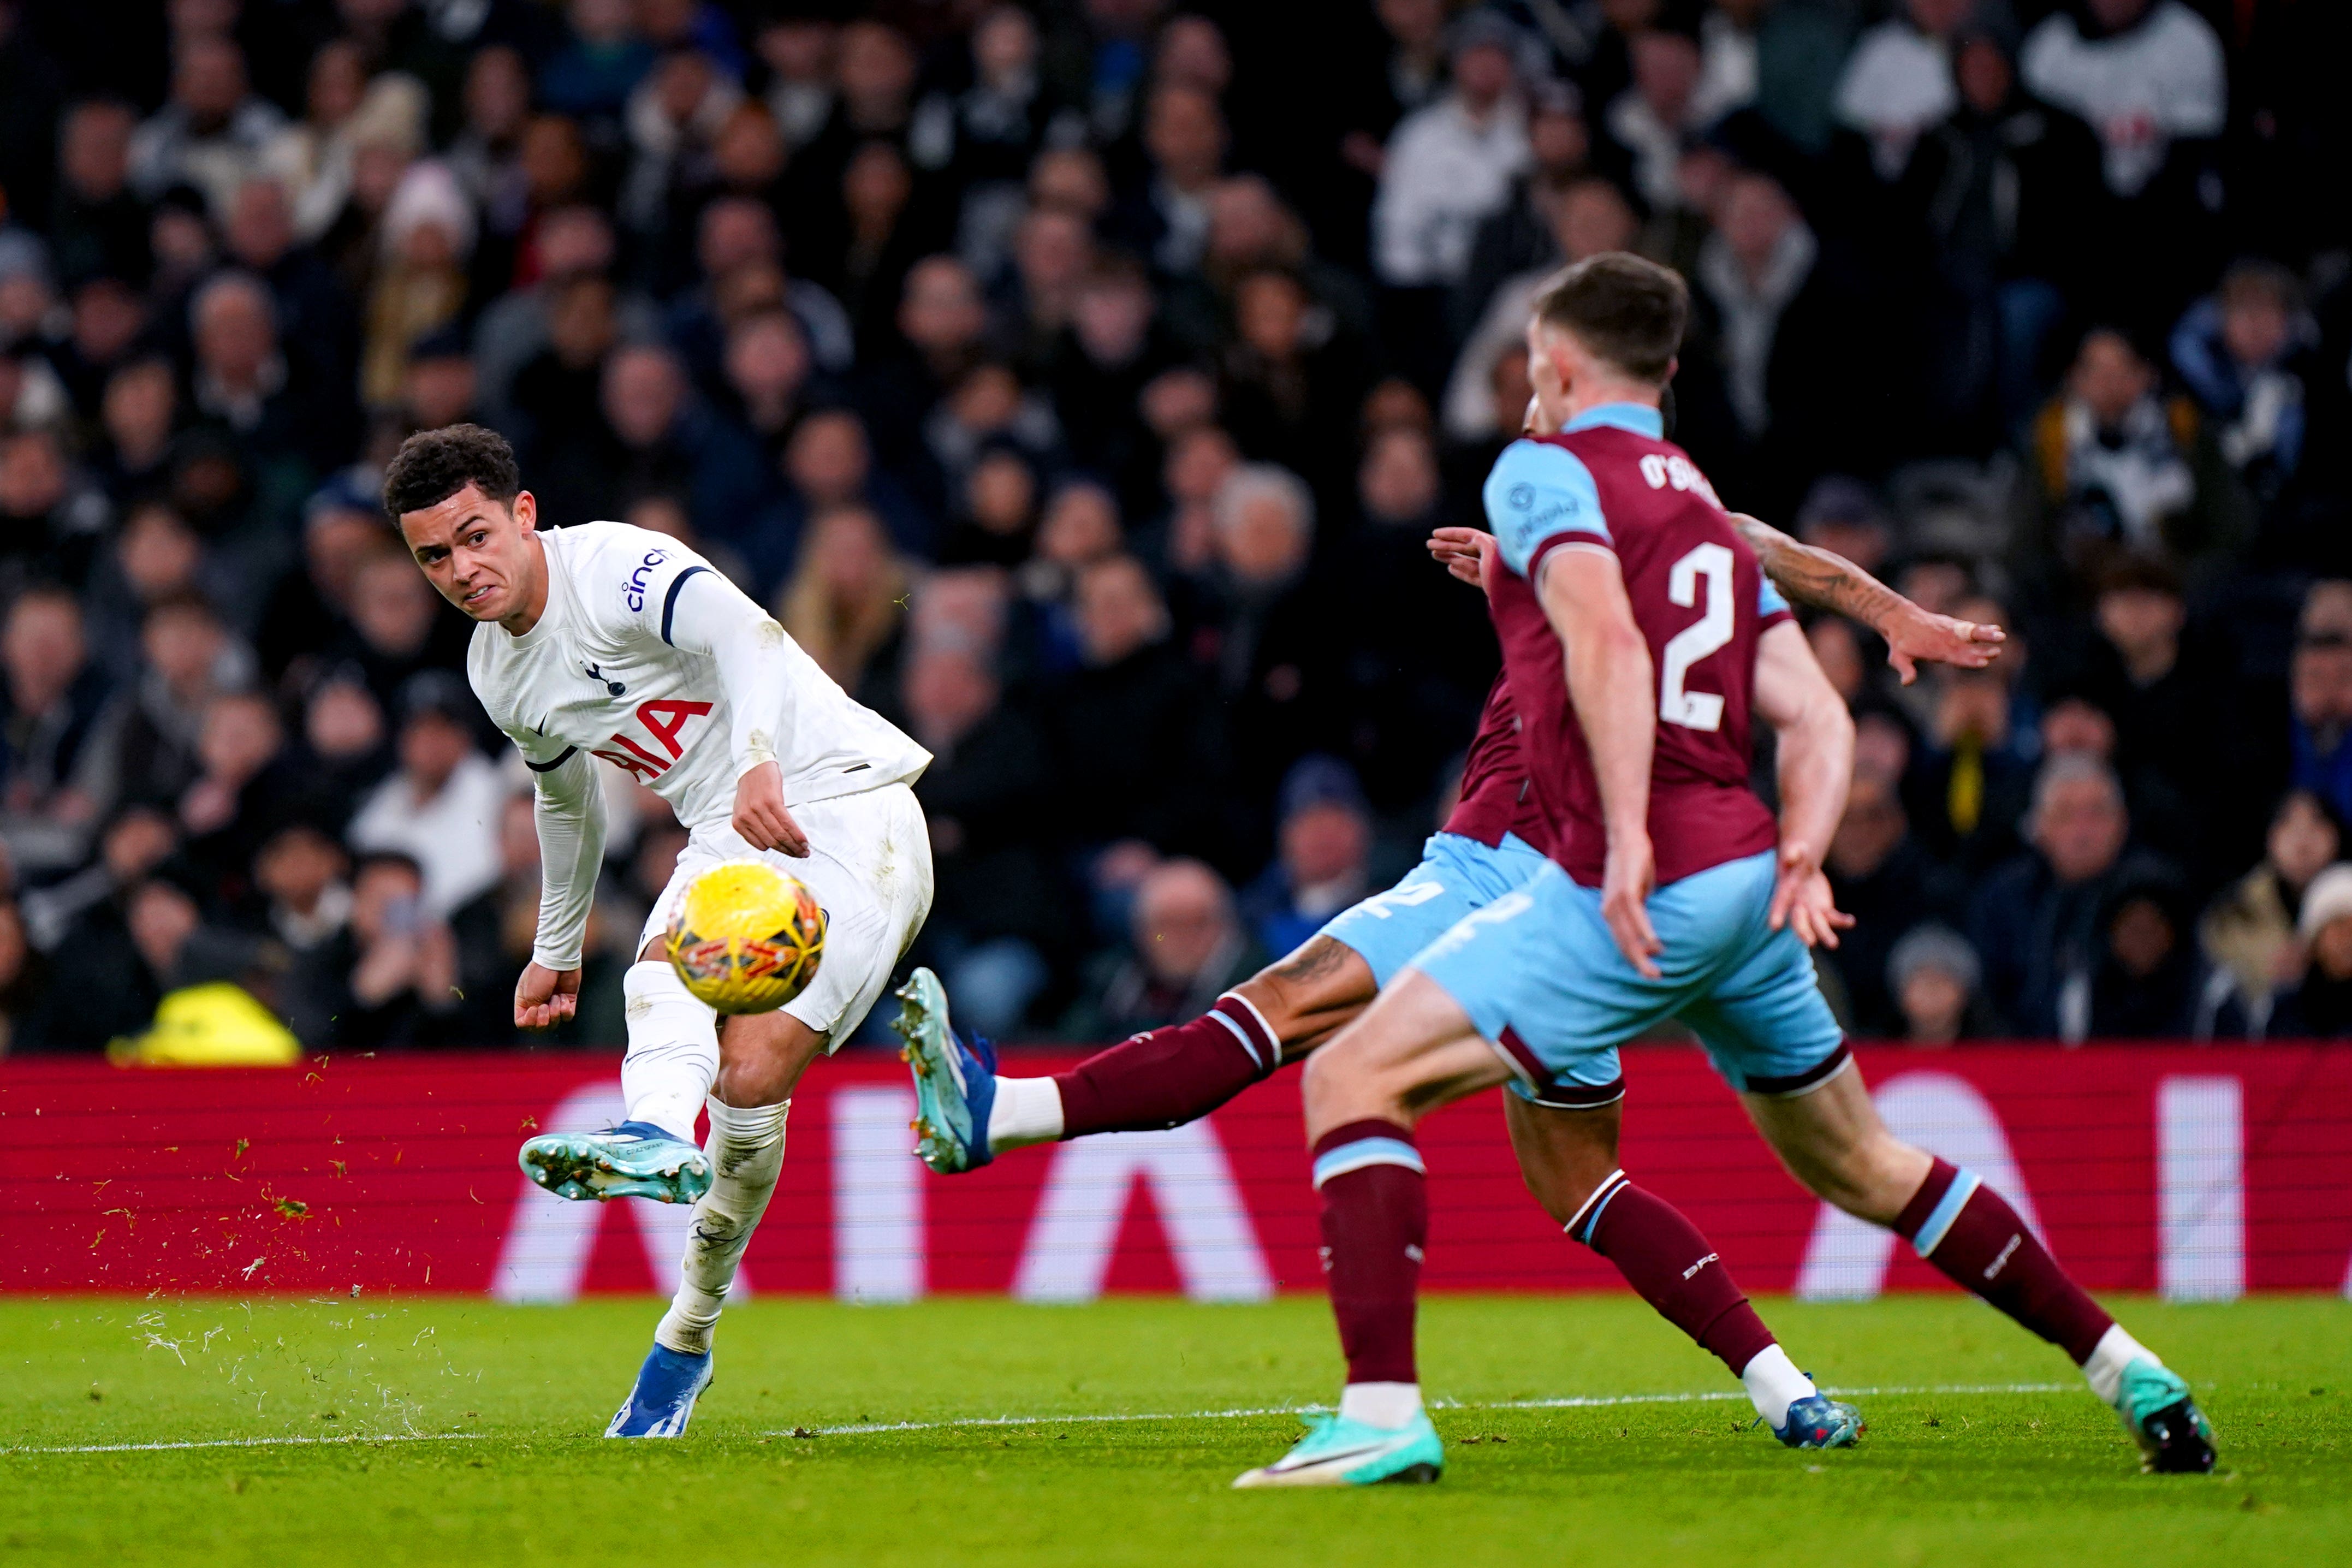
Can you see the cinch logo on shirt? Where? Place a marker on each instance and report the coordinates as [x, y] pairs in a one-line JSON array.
[[664, 717], [634, 590]]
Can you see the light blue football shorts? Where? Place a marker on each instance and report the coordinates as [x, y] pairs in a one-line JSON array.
[[1456, 876], [1542, 979]]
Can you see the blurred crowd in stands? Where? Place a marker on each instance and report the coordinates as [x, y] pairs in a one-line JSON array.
[[1078, 380]]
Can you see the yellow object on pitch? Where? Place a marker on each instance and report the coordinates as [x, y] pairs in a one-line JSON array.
[[746, 938]]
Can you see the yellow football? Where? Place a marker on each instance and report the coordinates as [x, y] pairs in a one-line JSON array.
[[746, 938]]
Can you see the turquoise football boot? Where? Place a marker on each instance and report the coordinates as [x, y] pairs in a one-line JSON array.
[[1338, 1452], [2173, 1435], [1817, 1421], [635, 1159], [955, 1084]]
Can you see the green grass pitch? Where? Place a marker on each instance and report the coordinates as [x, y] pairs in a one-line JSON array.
[[498, 1409]]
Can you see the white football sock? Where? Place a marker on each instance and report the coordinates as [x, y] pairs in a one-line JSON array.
[[1774, 1383], [747, 1155], [1388, 1404], [1027, 1110], [2116, 1350], [673, 1050]]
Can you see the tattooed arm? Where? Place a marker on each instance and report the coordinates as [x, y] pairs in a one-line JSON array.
[[1814, 576], [1808, 575]]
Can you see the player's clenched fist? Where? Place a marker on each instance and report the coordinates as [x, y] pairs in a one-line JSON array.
[[760, 814], [545, 997]]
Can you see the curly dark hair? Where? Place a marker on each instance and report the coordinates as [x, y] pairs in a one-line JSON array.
[[433, 465]]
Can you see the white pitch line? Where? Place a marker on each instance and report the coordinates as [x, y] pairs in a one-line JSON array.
[[257, 1443], [1564, 1402]]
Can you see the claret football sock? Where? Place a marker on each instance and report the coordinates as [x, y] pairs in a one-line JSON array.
[[1970, 1232], [1025, 1110], [1375, 1224], [673, 1050], [747, 1155], [1165, 1078], [1669, 1262]]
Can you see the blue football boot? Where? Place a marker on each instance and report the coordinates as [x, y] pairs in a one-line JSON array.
[[635, 1159], [2173, 1435], [955, 1084], [1338, 1452], [1817, 1421], [663, 1401]]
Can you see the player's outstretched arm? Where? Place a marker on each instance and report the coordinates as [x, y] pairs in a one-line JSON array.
[[1828, 581], [1816, 765], [1610, 680], [568, 810], [715, 617]]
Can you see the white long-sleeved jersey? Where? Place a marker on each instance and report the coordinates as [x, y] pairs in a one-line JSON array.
[[648, 658]]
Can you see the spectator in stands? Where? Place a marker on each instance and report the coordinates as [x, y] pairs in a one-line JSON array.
[[243, 386], [302, 872], [441, 809], [2243, 352], [51, 519], [987, 796], [848, 594], [1451, 164], [188, 658], [397, 628], [2041, 921], [1889, 883], [1658, 118], [389, 976], [2008, 192], [2320, 1005], [55, 779], [1323, 862], [1185, 948], [2248, 934], [2319, 688], [99, 225], [2120, 467], [245, 782], [1773, 314], [1135, 743], [1270, 632], [1932, 976], [2147, 981], [214, 133], [1898, 80], [2147, 74]]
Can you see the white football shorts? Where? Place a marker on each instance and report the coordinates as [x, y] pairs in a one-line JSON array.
[[869, 864]]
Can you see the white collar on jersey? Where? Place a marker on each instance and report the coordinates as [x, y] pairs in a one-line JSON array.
[[1639, 417]]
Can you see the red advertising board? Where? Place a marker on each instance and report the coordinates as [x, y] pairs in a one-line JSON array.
[[2201, 1171]]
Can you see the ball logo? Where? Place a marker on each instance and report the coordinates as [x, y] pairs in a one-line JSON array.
[[634, 590], [1522, 497]]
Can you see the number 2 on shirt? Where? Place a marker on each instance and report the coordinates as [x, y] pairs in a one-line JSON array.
[[1696, 710]]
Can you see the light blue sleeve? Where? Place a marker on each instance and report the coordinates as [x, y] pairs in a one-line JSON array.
[[1768, 600], [1540, 491]]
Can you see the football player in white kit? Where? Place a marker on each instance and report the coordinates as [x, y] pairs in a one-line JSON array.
[[605, 640]]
